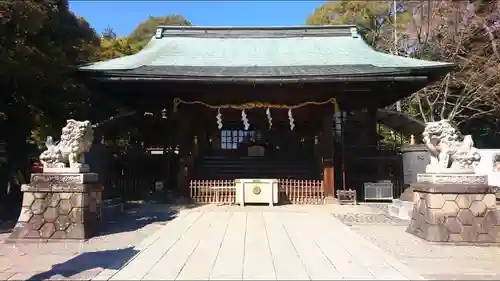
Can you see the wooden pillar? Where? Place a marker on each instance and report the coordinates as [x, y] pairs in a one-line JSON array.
[[168, 151], [327, 152], [185, 141], [372, 126], [178, 128]]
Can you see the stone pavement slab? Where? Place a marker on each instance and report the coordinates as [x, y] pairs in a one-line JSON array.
[[433, 261], [228, 264], [259, 244], [254, 243], [287, 262], [200, 262], [84, 260]]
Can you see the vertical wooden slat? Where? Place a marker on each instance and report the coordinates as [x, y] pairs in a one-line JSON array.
[[296, 191], [299, 186], [202, 189], [305, 191], [301, 191]]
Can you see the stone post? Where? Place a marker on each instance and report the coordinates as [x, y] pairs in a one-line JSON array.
[[454, 208], [59, 206], [415, 158]]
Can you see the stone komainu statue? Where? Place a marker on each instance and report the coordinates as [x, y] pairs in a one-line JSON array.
[[76, 139], [449, 152]]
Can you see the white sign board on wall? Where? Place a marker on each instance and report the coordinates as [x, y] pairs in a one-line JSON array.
[[490, 165]]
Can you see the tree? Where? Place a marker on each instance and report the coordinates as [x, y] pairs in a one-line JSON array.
[[374, 18], [41, 43], [452, 31], [146, 29], [111, 48], [462, 33], [109, 33]]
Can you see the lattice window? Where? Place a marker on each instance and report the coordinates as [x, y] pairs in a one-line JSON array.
[[230, 139]]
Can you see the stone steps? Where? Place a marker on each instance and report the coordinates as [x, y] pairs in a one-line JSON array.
[[400, 209], [221, 168]]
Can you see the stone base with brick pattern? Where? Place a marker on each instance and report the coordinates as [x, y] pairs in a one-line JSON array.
[[59, 207], [455, 213]]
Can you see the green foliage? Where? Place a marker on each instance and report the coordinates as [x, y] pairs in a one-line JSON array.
[[389, 139], [361, 13], [109, 33], [462, 32], [41, 43], [372, 17], [111, 48], [146, 29]]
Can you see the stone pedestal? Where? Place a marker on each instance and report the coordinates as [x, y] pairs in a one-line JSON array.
[[455, 213], [458, 179], [59, 206], [66, 170]]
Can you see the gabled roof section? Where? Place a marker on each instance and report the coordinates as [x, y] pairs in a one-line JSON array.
[[260, 52]]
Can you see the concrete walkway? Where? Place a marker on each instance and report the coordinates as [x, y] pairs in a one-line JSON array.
[[257, 244]]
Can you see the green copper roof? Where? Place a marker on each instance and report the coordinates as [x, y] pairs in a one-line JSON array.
[[219, 51]]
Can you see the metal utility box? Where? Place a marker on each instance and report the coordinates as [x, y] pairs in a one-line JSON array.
[[382, 190]]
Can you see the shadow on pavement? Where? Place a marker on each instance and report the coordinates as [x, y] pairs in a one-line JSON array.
[[136, 216], [7, 226], [108, 259], [9, 212]]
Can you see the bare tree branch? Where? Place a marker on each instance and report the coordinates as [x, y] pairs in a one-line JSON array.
[[445, 96], [492, 38], [454, 31]]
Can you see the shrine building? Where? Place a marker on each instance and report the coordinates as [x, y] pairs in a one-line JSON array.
[[298, 104]]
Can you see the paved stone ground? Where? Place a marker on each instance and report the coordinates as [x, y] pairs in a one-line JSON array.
[[230, 242], [258, 243], [431, 260], [83, 260]]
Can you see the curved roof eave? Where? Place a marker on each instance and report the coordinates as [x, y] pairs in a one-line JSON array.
[[401, 122], [428, 74], [276, 79]]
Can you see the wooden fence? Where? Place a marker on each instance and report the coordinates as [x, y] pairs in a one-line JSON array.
[[301, 191], [212, 191], [224, 191]]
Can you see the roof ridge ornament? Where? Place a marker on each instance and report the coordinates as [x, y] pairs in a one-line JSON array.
[[354, 32], [159, 33]]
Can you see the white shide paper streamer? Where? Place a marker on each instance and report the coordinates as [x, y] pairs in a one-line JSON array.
[[245, 120], [290, 118], [219, 119], [269, 118]]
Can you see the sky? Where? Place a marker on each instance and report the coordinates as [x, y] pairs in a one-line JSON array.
[[124, 16]]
